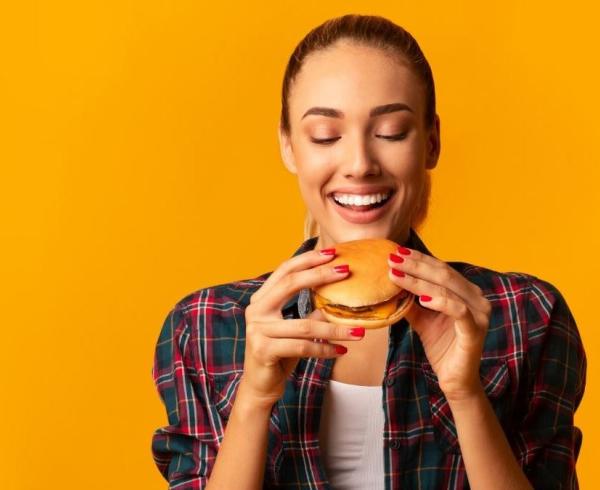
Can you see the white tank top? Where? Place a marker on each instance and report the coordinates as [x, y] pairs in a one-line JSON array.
[[351, 436]]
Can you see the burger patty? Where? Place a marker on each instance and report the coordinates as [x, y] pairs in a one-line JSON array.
[[374, 311], [400, 295]]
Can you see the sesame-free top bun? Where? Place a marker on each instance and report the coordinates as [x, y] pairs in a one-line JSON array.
[[367, 284]]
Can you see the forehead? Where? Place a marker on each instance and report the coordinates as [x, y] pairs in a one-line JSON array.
[[354, 78]]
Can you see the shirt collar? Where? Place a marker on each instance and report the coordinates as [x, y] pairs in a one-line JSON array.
[[300, 305]]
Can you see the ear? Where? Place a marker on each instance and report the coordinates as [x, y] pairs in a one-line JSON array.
[[433, 144], [287, 153]]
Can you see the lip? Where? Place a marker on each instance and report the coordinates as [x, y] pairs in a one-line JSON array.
[[361, 217], [362, 189]]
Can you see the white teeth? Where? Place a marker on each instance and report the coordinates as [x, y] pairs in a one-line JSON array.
[[360, 200]]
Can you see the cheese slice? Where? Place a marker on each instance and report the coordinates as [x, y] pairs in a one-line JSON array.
[[377, 311]]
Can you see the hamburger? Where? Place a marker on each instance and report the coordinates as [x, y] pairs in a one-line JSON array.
[[367, 297]]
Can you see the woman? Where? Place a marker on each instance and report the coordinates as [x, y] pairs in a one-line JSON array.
[[475, 388]]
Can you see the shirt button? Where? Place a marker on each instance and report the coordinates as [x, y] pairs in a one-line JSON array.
[[395, 444], [390, 381]]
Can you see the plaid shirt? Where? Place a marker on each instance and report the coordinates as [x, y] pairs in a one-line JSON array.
[[533, 371]]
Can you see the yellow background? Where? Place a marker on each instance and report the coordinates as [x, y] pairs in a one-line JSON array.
[[140, 162]]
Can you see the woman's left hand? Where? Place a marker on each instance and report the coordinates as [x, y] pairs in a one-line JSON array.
[[452, 325]]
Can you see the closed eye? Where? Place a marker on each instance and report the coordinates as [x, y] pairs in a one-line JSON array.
[[325, 141], [329, 141], [393, 137]]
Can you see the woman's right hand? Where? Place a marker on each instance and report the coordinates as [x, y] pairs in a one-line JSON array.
[[274, 345]]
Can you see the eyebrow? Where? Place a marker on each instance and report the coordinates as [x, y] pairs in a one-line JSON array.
[[376, 111]]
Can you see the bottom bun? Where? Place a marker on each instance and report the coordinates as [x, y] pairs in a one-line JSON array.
[[368, 324]]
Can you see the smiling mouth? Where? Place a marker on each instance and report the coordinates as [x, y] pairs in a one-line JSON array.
[[363, 207]]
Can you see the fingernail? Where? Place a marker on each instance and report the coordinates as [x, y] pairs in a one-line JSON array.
[[404, 250], [327, 251], [398, 273], [425, 297], [340, 349], [342, 268], [396, 258], [357, 331]]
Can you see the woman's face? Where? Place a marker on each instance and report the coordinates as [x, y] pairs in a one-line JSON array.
[[340, 96]]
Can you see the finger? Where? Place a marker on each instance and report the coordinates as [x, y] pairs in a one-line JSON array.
[[317, 314], [441, 299], [303, 261], [421, 288], [464, 323], [438, 272], [309, 329], [294, 348], [293, 282]]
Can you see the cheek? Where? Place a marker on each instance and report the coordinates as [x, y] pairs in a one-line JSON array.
[[314, 169], [311, 158], [403, 159], [312, 179]]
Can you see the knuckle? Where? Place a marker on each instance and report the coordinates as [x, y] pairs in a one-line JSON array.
[[284, 270], [323, 273], [446, 299], [250, 329], [482, 321], [260, 348], [445, 274], [488, 307], [462, 309], [414, 265], [305, 327], [338, 331], [302, 349], [250, 312], [326, 349], [289, 281]]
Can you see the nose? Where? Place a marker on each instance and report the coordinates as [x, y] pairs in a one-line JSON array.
[[360, 162]]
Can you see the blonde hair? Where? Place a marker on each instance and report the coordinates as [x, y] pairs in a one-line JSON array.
[[311, 227]]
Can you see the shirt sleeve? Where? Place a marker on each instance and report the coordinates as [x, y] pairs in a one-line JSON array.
[[547, 441], [184, 450]]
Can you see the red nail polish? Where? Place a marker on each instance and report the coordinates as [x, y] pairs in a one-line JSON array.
[[404, 250], [340, 349], [396, 258], [342, 268], [327, 251], [424, 297], [357, 331], [398, 273]]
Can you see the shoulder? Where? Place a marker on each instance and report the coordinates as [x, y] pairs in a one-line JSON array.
[[525, 307], [220, 299], [532, 330], [521, 286], [207, 325], [493, 282]]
